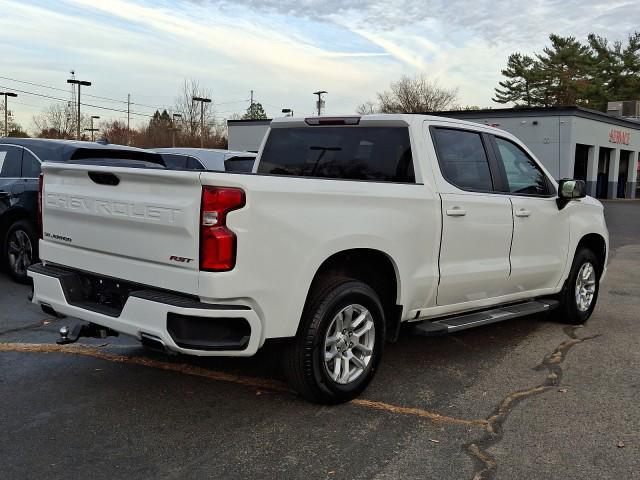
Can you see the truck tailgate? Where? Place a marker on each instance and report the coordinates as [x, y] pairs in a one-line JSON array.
[[111, 220]]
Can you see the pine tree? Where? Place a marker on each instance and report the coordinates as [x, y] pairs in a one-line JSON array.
[[522, 81], [565, 68], [255, 112]]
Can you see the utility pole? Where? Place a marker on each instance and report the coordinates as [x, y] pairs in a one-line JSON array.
[[251, 98], [92, 130], [174, 129], [79, 83], [6, 111], [202, 102], [320, 102]]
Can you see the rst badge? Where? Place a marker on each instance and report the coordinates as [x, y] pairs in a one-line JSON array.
[[175, 258]]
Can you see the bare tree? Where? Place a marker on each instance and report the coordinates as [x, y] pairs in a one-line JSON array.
[[412, 95], [190, 111], [367, 108], [116, 132], [57, 121]]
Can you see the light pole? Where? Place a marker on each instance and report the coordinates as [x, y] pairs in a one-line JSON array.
[[174, 129], [79, 83], [320, 101], [92, 130], [6, 111], [288, 112], [202, 102]]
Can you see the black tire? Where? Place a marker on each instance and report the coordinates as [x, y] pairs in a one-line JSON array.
[[21, 235], [568, 310], [304, 363]]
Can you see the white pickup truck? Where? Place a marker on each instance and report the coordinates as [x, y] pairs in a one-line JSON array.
[[347, 228]]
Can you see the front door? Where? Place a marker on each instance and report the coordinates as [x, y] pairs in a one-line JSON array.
[[540, 230], [10, 173]]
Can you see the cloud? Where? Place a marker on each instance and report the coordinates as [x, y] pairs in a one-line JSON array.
[[286, 49], [519, 21]]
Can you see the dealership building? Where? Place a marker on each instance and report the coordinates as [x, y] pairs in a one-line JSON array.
[[572, 142]]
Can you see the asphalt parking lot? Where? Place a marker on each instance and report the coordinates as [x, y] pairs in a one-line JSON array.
[[527, 399]]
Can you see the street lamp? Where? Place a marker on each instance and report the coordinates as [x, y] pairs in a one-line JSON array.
[[92, 130], [288, 112], [202, 102], [174, 129], [320, 102], [6, 111], [79, 83]]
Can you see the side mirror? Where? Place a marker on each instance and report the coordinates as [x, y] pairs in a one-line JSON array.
[[569, 189]]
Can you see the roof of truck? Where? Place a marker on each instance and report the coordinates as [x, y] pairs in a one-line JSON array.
[[381, 118]]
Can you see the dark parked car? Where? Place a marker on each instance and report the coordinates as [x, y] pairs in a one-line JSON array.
[[20, 160]]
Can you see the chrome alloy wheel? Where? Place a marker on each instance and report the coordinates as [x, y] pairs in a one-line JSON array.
[[585, 286], [20, 252], [349, 343]]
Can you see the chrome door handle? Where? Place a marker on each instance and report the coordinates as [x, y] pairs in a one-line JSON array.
[[456, 212], [523, 212]]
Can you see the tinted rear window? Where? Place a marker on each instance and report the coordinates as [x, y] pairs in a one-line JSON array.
[[117, 157], [239, 164], [350, 153]]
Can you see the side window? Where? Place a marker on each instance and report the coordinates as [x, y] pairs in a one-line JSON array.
[[10, 161], [463, 159], [523, 175], [30, 165], [194, 164], [174, 161]]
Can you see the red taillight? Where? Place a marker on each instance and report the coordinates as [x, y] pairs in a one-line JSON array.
[[40, 187], [217, 242]]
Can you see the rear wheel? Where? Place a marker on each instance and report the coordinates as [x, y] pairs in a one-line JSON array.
[[339, 344], [20, 249], [579, 297]]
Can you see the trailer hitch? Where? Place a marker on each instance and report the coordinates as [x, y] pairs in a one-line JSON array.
[[90, 330]]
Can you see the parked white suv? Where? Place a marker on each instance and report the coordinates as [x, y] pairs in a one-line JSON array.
[[347, 228]]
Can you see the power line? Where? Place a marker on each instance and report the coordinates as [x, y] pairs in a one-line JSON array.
[[114, 100], [66, 100]]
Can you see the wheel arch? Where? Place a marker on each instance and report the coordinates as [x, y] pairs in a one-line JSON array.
[[12, 216], [598, 245], [373, 267]]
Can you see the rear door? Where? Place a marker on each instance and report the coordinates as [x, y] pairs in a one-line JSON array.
[[477, 223], [137, 222], [541, 230]]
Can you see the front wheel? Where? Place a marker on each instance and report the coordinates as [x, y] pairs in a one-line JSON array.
[[579, 297], [339, 344]]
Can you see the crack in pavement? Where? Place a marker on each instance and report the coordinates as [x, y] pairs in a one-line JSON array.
[[31, 326], [486, 464], [267, 384]]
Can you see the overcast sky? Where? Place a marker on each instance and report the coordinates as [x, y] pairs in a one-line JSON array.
[[283, 50]]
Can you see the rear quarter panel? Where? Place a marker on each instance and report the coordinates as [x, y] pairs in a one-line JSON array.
[[290, 226]]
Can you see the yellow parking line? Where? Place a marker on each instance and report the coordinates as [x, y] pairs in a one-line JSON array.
[[273, 385]]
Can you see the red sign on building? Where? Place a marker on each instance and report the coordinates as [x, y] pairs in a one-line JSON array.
[[618, 136]]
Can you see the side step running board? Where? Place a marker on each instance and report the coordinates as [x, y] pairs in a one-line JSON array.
[[462, 322]]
